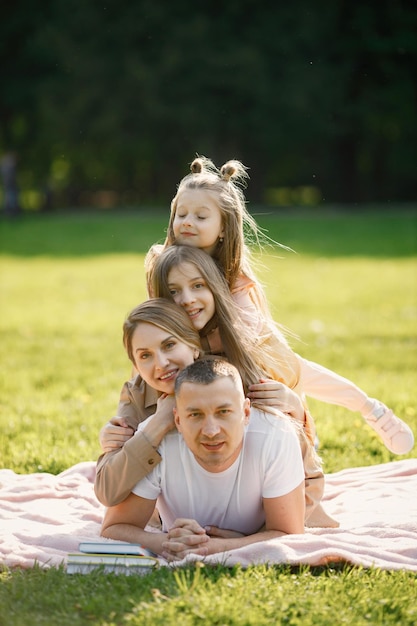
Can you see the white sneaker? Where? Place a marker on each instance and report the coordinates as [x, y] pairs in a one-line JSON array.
[[396, 435]]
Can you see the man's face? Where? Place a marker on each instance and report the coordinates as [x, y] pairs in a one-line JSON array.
[[211, 419]]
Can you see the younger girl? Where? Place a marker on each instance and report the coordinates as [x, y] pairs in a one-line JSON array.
[[208, 212]]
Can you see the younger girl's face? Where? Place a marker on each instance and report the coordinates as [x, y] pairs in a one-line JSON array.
[[189, 290], [159, 356], [198, 219]]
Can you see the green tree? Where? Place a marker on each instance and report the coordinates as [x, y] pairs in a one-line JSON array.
[[122, 96]]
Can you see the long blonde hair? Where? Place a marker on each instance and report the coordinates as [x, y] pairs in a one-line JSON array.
[[249, 353]]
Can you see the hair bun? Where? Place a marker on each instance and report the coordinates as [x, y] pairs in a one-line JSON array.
[[196, 166], [229, 170]]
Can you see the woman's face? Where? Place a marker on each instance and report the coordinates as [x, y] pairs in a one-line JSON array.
[[159, 356], [198, 220], [189, 290]]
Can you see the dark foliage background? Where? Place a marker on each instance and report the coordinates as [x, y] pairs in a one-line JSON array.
[[107, 102]]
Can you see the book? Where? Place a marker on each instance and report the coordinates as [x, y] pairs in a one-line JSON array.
[[104, 547], [84, 563]]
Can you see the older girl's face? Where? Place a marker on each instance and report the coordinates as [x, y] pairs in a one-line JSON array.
[[189, 290], [159, 356], [198, 219]]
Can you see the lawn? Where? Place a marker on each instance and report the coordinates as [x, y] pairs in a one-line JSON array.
[[348, 294]]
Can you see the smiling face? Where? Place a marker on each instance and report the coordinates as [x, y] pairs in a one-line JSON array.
[[189, 290], [198, 220], [211, 418], [159, 356]]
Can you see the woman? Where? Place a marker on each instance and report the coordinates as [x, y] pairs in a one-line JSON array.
[[118, 470]]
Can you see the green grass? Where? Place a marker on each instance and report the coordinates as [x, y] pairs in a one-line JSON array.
[[212, 597], [349, 292]]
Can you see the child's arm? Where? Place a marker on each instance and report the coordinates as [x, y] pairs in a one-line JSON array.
[[321, 383]]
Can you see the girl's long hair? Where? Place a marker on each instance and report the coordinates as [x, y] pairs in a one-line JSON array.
[[248, 353]]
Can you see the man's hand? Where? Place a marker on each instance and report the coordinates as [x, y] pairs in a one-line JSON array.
[[115, 434], [222, 533], [186, 536]]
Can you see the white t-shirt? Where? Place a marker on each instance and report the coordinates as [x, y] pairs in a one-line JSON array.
[[269, 465]]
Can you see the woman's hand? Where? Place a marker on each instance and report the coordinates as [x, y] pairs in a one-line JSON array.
[[164, 414], [115, 434], [272, 393], [155, 427]]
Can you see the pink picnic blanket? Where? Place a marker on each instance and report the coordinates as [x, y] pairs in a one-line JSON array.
[[43, 517]]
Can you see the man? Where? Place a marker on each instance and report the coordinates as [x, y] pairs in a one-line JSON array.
[[224, 481]]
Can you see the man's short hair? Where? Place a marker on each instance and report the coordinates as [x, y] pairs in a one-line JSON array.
[[206, 370]]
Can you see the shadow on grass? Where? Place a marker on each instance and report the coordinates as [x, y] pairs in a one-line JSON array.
[[330, 233]]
